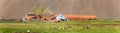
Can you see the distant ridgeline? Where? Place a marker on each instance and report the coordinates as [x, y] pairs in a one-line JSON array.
[[17, 9]]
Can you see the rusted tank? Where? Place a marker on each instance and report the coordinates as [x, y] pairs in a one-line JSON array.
[[80, 17]]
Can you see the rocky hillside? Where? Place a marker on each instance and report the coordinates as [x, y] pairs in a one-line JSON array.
[[16, 9]]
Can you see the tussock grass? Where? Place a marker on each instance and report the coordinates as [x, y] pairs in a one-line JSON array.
[[62, 27]]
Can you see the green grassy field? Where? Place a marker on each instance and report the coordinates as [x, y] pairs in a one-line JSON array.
[[92, 26]]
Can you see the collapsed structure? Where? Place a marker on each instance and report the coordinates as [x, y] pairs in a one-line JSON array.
[[17, 9]]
